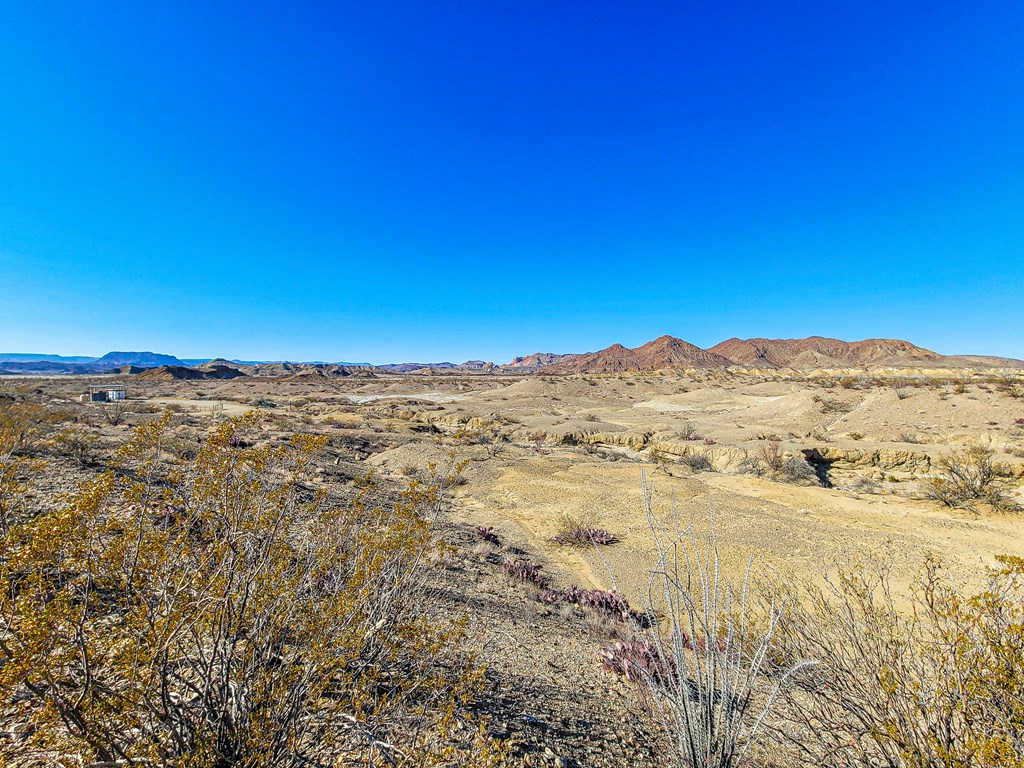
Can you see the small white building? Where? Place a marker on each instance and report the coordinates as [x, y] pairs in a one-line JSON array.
[[105, 393]]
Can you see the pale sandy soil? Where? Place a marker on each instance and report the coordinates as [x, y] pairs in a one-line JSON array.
[[226, 407], [546, 447], [786, 529], [430, 397], [801, 531]]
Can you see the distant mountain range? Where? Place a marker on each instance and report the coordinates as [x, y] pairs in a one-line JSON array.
[[815, 352], [29, 363], [665, 352], [29, 358]]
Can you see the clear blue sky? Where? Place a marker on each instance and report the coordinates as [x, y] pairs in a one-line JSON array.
[[388, 181]]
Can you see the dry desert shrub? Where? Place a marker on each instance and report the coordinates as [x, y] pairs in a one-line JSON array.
[[773, 463], [772, 455], [26, 429], [77, 443], [939, 683], [797, 471], [697, 462], [220, 612], [846, 675], [969, 478], [829, 405], [863, 485], [687, 430]]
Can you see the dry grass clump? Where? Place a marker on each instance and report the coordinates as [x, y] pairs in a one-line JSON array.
[[219, 611], [582, 537], [579, 532], [829, 405], [863, 485]]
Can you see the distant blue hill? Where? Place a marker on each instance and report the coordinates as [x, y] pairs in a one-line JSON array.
[[200, 361], [28, 357], [24, 361]]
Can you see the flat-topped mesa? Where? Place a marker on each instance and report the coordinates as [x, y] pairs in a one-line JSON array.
[[140, 359]]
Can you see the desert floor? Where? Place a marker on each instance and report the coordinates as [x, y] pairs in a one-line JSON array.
[[542, 451], [536, 454]]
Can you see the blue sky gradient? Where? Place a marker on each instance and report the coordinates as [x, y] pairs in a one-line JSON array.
[[441, 181]]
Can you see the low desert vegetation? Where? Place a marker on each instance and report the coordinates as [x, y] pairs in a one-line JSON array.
[[938, 682], [697, 462], [205, 599], [970, 479], [687, 430], [772, 462], [486, 533], [604, 603], [525, 572], [845, 675], [704, 670], [221, 611], [578, 531]]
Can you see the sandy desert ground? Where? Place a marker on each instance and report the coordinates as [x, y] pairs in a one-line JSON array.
[[542, 449], [541, 452]]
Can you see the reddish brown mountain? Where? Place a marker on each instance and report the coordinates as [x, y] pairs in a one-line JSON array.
[[663, 352], [820, 352]]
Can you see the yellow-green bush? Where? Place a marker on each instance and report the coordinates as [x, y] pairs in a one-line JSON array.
[[936, 683], [218, 611], [24, 428]]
